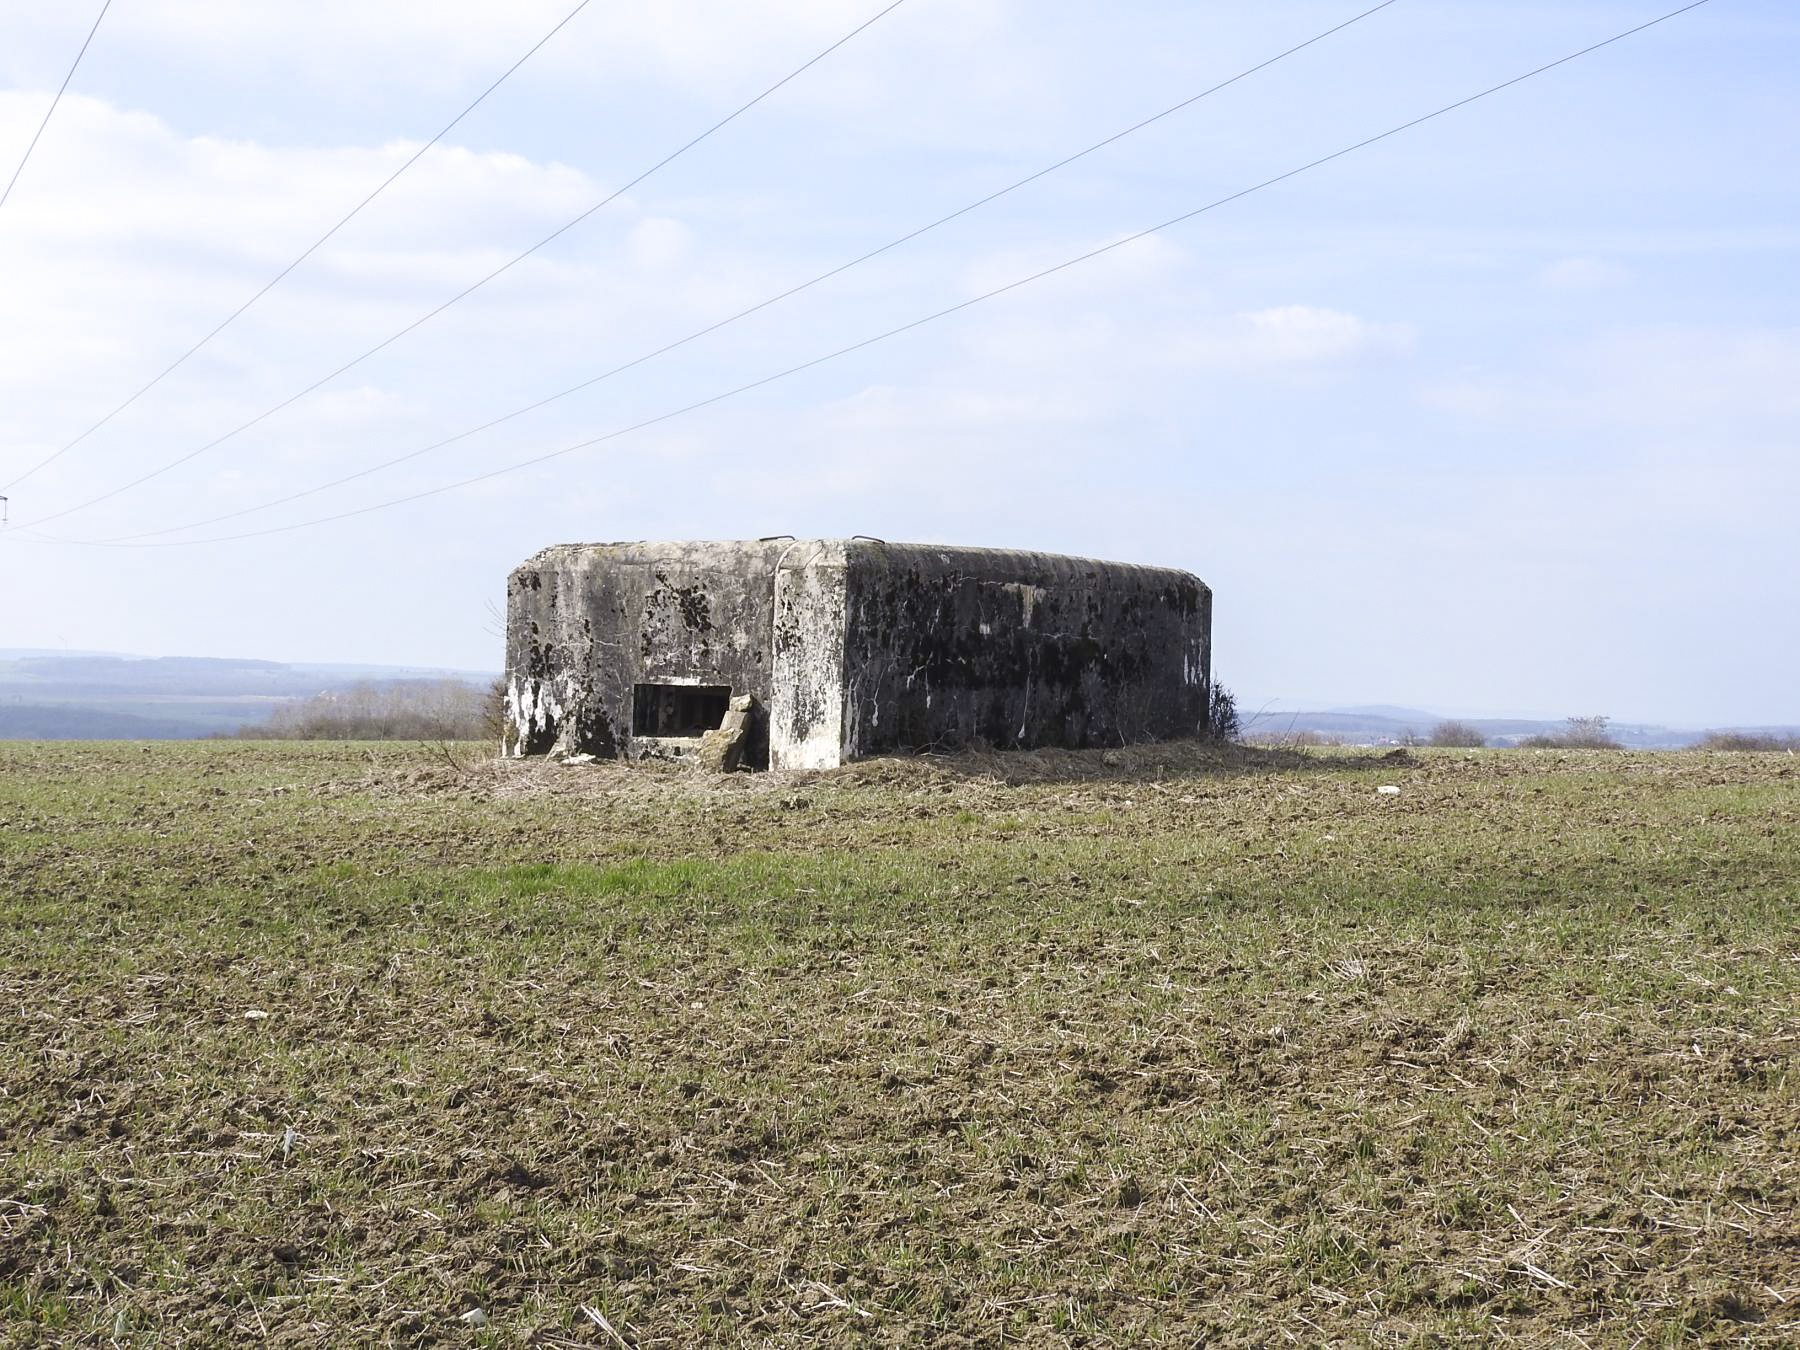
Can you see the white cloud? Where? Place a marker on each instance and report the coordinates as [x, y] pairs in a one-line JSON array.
[[339, 42], [425, 61], [1583, 274], [1660, 381], [1136, 266], [1292, 336], [136, 241], [661, 244], [1301, 334]]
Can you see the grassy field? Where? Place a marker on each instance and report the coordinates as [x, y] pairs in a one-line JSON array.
[[319, 1045]]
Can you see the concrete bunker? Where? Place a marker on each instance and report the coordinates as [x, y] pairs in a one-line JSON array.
[[827, 650]]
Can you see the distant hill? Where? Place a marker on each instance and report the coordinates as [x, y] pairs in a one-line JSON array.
[[104, 696], [54, 722], [17, 653]]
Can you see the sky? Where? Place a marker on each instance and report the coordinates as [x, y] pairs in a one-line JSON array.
[[1499, 414]]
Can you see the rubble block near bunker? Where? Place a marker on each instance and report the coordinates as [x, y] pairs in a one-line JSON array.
[[809, 653]]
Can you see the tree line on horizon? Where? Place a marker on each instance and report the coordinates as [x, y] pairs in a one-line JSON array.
[[1577, 733], [392, 710]]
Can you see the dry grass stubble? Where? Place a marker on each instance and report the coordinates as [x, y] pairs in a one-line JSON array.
[[318, 1046]]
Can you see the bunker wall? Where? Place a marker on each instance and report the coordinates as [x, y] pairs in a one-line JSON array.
[[948, 647], [611, 647]]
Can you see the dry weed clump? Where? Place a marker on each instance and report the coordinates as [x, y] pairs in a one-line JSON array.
[[1579, 733], [1454, 735], [393, 710], [317, 1045]]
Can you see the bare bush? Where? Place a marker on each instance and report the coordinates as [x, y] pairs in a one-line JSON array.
[[493, 711], [1457, 735], [1222, 715], [1747, 740], [1578, 733], [403, 710]]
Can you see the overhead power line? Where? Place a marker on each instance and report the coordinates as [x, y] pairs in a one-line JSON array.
[[459, 296], [1088, 256], [311, 249], [53, 102], [752, 309]]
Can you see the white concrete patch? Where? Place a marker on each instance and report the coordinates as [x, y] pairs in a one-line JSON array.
[[807, 695]]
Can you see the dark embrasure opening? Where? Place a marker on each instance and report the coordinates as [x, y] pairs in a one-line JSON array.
[[678, 709]]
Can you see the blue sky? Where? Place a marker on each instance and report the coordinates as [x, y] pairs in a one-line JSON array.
[[1499, 414]]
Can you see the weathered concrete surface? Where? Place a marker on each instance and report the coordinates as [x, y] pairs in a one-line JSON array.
[[854, 647], [954, 646], [806, 701], [587, 624]]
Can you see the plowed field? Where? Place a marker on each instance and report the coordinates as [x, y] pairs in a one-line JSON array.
[[325, 1045]]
